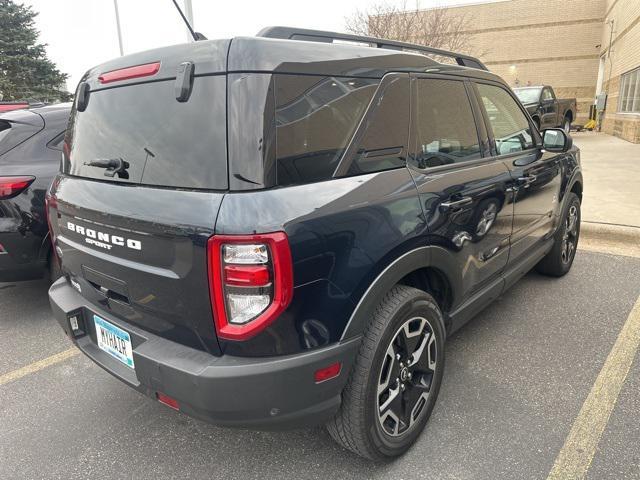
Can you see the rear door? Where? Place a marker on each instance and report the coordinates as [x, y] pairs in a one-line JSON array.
[[535, 173], [464, 191], [133, 241]]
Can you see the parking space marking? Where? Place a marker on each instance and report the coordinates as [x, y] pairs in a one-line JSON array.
[[39, 365], [578, 450]]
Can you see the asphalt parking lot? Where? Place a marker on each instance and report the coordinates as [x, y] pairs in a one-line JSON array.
[[515, 382]]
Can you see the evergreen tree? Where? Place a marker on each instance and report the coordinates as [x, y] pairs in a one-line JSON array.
[[25, 71]]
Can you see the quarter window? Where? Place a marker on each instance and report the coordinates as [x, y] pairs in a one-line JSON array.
[[315, 118], [445, 128], [385, 130], [510, 126]]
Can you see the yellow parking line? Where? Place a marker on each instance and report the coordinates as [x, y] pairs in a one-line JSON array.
[[576, 455], [39, 365]]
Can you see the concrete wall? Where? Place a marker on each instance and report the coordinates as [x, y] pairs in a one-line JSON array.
[[622, 56]]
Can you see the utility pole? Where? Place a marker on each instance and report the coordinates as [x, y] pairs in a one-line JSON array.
[[115, 5], [188, 12]]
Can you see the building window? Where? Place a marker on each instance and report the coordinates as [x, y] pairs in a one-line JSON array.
[[630, 92]]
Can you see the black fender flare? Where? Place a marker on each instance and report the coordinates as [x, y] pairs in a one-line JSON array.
[[412, 260]]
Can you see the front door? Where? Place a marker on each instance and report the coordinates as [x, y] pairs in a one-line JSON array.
[[463, 190], [535, 173]]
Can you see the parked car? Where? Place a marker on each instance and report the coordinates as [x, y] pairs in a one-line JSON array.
[[279, 231], [30, 153], [545, 109]]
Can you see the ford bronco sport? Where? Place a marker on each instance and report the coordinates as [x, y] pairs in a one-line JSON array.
[[282, 230]]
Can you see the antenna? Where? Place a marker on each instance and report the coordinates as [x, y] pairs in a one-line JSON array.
[[196, 35]]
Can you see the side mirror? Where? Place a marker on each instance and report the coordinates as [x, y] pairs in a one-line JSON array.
[[556, 140]]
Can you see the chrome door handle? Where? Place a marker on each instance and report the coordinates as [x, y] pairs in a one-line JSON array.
[[526, 180], [455, 204]]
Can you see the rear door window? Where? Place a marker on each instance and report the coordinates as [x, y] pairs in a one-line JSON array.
[[315, 119], [164, 142], [445, 127]]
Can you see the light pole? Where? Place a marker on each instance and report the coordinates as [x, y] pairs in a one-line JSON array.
[[115, 5], [188, 12]]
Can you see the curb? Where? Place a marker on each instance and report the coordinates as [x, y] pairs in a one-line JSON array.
[[610, 238]]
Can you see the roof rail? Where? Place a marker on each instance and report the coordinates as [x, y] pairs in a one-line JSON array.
[[290, 33]]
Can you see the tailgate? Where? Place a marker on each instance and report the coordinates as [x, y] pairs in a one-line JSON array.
[[144, 171], [139, 253]]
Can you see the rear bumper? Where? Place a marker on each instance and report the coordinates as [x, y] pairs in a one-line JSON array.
[[273, 392]]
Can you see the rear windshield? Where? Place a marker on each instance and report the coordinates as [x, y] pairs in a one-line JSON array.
[[164, 142], [16, 127]]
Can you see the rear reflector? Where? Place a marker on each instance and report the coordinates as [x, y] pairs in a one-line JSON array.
[[327, 373], [168, 401], [246, 275], [146, 70], [12, 186]]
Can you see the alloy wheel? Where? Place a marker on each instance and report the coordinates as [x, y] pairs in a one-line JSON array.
[[405, 379], [570, 235]]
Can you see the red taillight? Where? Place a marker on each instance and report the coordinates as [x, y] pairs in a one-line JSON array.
[[12, 186], [327, 373], [146, 70], [250, 282], [168, 401]]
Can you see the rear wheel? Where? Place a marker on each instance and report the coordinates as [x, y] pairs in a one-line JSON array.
[[396, 378], [559, 260], [566, 125]]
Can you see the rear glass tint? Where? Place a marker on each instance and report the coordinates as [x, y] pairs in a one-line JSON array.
[[16, 127], [165, 142], [315, 119]]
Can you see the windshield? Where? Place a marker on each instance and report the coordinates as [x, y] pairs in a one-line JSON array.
[[528, 95]]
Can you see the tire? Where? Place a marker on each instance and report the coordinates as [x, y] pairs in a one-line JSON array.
[[405, 320], [559, 260], [566, 125]]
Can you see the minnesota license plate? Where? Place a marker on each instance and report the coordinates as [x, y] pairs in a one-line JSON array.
[[113, 340]]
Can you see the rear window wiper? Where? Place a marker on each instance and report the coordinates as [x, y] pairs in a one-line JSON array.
[[113, 166]]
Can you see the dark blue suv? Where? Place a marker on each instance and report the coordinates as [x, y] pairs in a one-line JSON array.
[[282, 230]]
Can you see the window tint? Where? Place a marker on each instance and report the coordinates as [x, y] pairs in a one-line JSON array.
[[510, 126], [546, 94], [383, 142], [445, 127], [16, 127], [164, 142], [315, 119]]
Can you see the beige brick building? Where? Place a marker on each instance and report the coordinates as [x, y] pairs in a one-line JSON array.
[[565, 43]]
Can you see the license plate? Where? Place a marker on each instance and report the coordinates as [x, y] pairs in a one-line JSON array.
[[113, 340]]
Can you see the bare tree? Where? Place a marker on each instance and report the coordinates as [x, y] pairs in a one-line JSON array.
[[435, 27]]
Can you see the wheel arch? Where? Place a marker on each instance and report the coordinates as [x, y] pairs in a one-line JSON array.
[[429, 268]]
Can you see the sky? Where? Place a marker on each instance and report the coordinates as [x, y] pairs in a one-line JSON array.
[[82, 33]]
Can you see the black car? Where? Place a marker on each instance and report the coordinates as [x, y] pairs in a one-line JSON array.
[[30, 152], [281, 230]]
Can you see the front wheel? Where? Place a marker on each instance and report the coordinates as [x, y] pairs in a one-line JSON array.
[[396, 378], [559, 260]]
